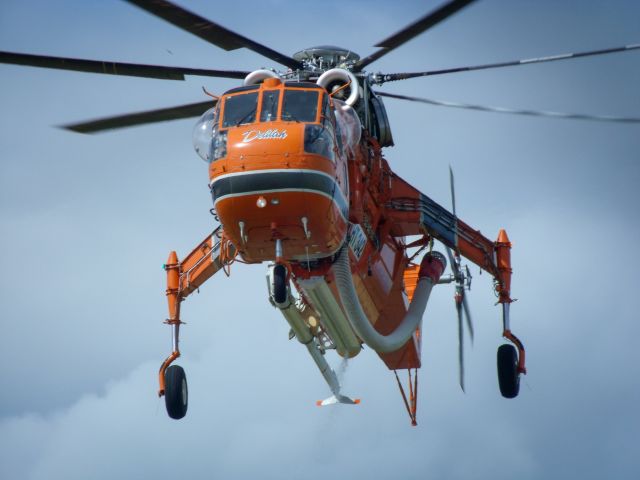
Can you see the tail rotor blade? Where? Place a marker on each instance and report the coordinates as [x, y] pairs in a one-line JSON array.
[[453, 192], [453, 205], [454, 266], [467, 313], [461, 300], [460, 346]]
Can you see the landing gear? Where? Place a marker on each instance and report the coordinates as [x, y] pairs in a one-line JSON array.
[[508, 375], [280, 284], [176, 394]]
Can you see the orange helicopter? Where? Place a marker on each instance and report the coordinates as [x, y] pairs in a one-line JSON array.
[[299, 180]]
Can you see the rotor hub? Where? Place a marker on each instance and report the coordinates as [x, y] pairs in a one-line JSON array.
[[325, 57]]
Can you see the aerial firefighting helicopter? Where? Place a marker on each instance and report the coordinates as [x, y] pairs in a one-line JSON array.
[[298, 179]]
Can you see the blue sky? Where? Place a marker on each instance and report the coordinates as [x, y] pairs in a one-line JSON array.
[[87, 222]]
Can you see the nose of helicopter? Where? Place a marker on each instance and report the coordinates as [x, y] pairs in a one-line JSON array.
[[303, 207], [260, 196]]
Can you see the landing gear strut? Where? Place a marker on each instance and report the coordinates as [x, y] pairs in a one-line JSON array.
[[173, 381], [510, 360]]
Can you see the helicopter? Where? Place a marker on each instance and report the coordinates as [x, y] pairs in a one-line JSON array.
[[299, 179]]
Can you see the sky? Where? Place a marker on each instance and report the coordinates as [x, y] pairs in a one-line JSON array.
[[88, 221]]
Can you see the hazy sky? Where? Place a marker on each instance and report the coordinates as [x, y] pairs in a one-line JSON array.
[[87, 222]]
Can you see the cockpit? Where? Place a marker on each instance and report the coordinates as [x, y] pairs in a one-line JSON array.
[[295, 106], [241, 105]]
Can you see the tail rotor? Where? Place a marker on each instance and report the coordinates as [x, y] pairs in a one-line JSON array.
[[462, 278]]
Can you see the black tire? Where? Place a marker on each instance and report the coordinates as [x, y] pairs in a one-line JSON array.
[[508, 376], [280, 284], [176, 395]]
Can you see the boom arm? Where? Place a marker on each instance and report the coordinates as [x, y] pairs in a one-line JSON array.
[[183, 278], [413, 213]]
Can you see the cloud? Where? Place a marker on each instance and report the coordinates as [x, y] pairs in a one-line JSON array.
[[258, 420]]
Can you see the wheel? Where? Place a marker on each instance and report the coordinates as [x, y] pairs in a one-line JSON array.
[[176, 395], [280, 284], [508, 377]]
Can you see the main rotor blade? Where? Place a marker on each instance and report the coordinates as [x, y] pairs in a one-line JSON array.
[[210, 31], [413, 30], [512, 63], [534, 113], [113, 68], [141, 118]]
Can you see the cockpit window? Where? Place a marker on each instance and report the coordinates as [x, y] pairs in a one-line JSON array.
[[319, 140], [326, 109], [240, 109], [300, 106], [269, 112]]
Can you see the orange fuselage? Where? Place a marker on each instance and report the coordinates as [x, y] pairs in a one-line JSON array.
[[276, 180], [279, 171]]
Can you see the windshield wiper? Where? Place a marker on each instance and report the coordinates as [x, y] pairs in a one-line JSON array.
[[290, 116], [251, 112]]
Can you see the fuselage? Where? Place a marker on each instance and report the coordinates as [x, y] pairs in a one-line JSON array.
[[290, 165]]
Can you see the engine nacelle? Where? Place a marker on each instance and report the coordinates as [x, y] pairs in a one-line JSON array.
[[258, 76], [343, 76]]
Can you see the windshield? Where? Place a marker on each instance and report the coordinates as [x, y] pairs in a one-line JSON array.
[[269, 111], [240, 109], [300, 105]]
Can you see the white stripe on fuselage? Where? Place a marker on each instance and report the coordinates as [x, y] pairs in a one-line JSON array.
[[265, 192], [271, 170]]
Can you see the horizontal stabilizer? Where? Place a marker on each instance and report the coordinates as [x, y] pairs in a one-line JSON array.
[[333, 399]]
